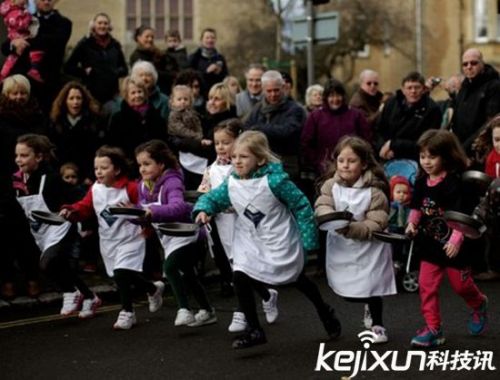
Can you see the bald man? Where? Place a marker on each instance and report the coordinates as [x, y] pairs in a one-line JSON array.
[[368, 97], [478, 99]]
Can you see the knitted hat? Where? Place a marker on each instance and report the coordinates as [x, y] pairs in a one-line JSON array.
[[399, 180]]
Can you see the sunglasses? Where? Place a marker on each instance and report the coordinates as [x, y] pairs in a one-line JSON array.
[[472, 63], [372, 83]]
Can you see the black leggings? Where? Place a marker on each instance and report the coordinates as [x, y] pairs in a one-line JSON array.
[[245, 285], [59, 265], [124, 279], [375, 305], [180, 273]]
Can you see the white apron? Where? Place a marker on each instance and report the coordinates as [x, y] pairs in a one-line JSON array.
[[224, 221], [169, 243], [192, 162], [358, 268], [122, 243], [45, 235], [266, 243]]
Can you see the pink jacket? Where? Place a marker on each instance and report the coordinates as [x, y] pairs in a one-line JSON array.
[[17, 20]]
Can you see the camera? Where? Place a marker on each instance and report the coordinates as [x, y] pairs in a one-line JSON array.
[[435, 81]]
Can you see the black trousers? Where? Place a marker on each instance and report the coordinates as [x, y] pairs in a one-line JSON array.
[[60, 265], [375, 304], [125, 279], [245, 285]]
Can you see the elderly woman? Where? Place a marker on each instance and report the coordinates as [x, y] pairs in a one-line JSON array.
[[98, 60], [314, 97], [145, 71], [327, 125], [77, 128], [137, 121], [19, 114], [146, 50]]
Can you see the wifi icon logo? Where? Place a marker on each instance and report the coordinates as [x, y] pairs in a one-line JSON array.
[[367, 338]]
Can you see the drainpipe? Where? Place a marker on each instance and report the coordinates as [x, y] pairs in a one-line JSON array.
[[418, 35]]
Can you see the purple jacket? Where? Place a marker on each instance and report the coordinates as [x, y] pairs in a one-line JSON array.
[[170, 189], [323, 130]]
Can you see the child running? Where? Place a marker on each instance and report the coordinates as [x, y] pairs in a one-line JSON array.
[[39, 188], [274, 225], [225, 134], [122, 243], [437, 189], [358, 268], [161, 195]]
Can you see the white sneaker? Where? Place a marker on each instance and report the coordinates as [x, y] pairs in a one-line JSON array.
[[89, 307], [381, 334], [71, 302], [204, 317], [125, 321], [271, 307], [184, 317], [367, 318], [156, 300], [239, 322]]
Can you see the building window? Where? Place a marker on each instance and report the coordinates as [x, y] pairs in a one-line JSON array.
[[480, 20], [161, 15]]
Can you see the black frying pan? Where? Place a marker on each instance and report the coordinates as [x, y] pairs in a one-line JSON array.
[[129, 211], [478, 179], [470, 226], [334, 220], [389, 237], [48, 217], [179, 229]]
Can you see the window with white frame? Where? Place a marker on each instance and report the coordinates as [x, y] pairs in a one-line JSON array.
[[481, 20], [161, 15]]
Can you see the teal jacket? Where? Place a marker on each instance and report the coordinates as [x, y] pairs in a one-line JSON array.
[[217, 200]]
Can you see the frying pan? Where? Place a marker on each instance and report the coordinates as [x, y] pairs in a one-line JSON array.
[[478, 179], [179, 229], [334, 220], [470, 226], [389, 237], [129, 211], [48, 217]]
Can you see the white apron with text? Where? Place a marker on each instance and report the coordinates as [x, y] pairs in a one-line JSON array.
[[357, 268], [266, 243], [225, 220], [122, 244], [45, 235]]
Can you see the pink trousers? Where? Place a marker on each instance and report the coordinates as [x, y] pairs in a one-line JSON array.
[[429, 280]]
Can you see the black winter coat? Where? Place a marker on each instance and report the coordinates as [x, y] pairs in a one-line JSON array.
[[477, 101], [282, 127], [79, 143], [200, 63], [107, 63], [128, 128], [403, 125]]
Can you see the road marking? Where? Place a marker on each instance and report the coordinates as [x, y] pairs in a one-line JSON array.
[[54, 317]]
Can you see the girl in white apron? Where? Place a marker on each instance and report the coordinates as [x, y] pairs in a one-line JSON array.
[[225, 134], [122, 243], [273, 228], [161, 194], [40, 188], [358, 268]]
